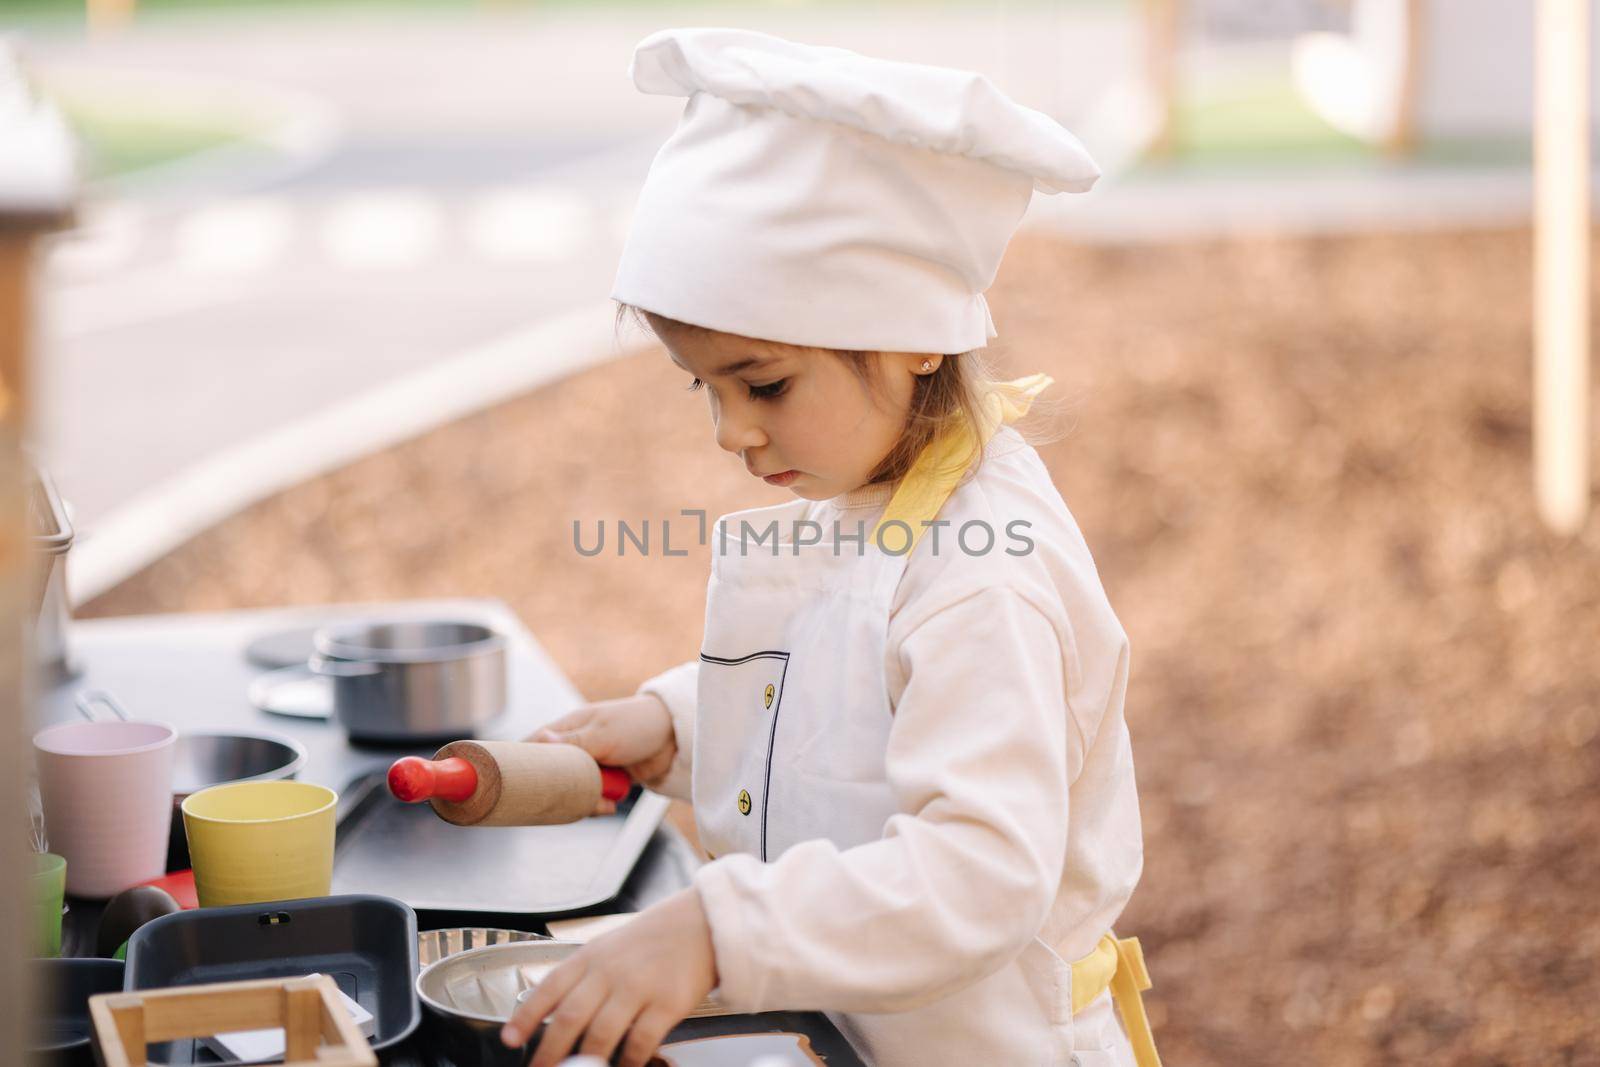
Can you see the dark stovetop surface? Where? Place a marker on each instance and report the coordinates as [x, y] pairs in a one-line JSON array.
[[192, 671]]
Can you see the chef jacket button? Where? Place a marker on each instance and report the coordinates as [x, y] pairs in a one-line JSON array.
[[767, 696], [744, 802]]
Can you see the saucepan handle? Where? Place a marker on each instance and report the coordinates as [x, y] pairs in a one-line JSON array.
[[89, 699]]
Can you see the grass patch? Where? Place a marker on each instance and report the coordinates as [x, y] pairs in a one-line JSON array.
[[120, 139], [1260, 121]]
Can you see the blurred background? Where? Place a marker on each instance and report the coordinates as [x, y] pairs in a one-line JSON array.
[[332, 325]]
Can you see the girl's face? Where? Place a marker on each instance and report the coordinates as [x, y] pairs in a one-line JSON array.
[[796, 412]]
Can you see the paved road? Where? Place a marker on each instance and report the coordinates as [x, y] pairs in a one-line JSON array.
[[468, 176]]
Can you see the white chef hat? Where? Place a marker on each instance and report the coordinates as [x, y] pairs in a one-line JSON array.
[[818, 197]]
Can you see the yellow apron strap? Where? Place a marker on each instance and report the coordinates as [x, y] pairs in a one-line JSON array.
[[1118, 964], [940, 466], [1131, 980]]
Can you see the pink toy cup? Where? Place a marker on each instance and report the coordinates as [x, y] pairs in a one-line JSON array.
[[107, 793]]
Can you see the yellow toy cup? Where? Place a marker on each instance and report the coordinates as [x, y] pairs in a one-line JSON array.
[[251, 842]]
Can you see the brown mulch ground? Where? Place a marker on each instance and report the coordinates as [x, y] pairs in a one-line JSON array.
[[1366, 682]]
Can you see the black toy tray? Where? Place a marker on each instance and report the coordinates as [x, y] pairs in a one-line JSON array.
[[367, 944]]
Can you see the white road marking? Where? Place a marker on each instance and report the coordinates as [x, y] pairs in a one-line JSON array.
[[530, 225], [118, 268], [384, 230], [242, 236]]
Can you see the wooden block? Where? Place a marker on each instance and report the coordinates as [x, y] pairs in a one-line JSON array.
[[302, 1020], [129, 1019], [338, 1028], [307, 1009]]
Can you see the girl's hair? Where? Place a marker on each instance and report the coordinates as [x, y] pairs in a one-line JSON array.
[[944, 398]]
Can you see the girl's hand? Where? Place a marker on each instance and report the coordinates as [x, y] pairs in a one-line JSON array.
[[634, 733], [628, 988]]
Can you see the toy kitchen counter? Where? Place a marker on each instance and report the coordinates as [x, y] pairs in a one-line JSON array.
[[211, 673], [216, 673]]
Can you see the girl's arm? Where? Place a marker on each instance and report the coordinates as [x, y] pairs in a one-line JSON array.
[[678, 688], [965, 874]]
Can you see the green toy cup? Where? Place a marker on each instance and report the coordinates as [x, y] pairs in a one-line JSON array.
[[46, 892]]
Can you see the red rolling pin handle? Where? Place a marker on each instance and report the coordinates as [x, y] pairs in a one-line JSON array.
[[614, 783], [414, 779]]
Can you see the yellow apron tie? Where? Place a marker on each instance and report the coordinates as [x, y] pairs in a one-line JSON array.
[[940, 466], [1118, 964]]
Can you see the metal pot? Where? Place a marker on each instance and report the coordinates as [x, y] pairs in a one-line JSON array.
[[470, 995], [407, 681], [52, 539]]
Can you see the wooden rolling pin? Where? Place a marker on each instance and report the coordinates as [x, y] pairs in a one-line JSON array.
[[508, 783]]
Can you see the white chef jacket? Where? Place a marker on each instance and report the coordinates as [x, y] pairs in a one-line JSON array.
[[1006, 676]]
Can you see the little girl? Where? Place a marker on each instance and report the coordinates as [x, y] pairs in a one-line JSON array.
[[903, 737]]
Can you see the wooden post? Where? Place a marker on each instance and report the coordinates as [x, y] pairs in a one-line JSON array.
[[14, 251], [1163, 39], [109, 16], [35, 188], [1401, 139], [1561, 265]]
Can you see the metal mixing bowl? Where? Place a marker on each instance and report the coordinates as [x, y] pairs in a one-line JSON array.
[[205, 759], [435, 945]]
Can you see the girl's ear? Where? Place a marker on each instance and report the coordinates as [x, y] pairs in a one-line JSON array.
[[888, 375]]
